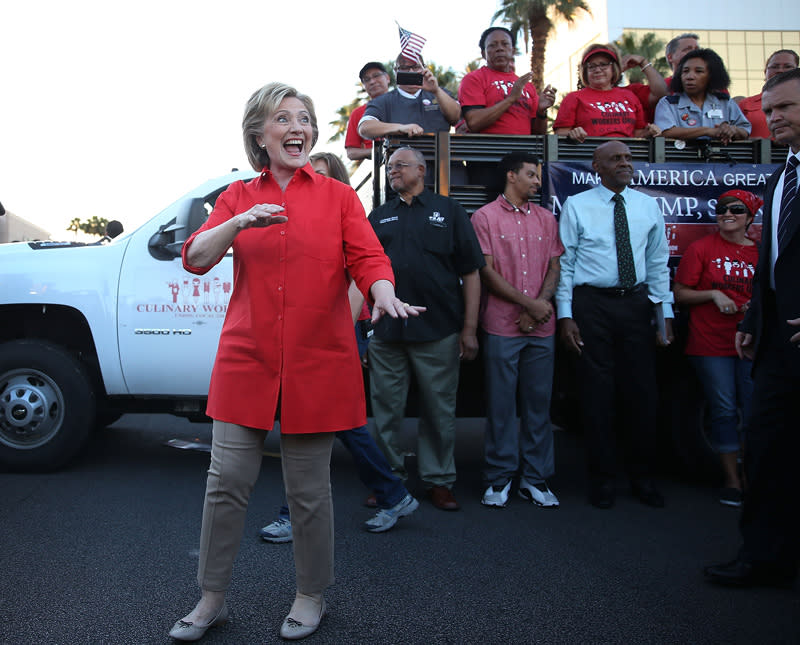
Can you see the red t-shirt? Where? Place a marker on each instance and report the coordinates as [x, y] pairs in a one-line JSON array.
[[351, 137], [642, 92], [714, 263], [751, 108], [486, 87], [602, 113]]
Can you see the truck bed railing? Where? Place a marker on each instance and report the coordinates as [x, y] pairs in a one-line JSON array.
[[449, 155]]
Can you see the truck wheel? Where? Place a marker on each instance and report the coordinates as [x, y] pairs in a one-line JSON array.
[[47, 406]]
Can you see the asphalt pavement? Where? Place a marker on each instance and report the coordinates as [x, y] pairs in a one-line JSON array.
[[105, 551]]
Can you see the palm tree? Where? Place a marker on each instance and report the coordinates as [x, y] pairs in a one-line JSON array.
[[94, 225], [530, 17], [75, 226], [471, 66], [343, 116], [650, 46], [448, 79]]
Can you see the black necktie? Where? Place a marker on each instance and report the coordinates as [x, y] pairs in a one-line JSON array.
[[627, 270], [787, 201]]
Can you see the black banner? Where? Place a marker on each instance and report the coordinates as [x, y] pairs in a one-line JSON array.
[[686, 193]]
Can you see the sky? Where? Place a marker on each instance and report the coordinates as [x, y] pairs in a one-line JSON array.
[[117, 109]]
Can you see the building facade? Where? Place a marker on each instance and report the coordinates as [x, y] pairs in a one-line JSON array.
[[744, 34], [14, 228]]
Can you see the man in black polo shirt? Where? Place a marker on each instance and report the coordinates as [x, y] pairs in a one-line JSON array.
[[436, 257]]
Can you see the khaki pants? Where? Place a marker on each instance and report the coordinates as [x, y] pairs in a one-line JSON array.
[[435, 365], [235, 464]]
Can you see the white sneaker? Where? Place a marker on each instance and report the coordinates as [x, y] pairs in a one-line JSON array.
[[277, 532], [539, 494], [497, 497], [386, 518]]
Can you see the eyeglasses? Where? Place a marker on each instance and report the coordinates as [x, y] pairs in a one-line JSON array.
[[735, 209], [781, 66], [593, 66], [399, 165], [408, 68]]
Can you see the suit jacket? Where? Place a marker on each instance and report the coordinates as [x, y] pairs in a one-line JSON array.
[[787, 288]]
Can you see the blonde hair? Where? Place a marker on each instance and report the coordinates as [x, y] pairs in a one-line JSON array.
[[259, 108]]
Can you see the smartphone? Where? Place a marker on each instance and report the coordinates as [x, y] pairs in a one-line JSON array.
[[409, 78]]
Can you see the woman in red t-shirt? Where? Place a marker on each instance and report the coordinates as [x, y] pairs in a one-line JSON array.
[[780, 61], [715, 280], [600, 108]]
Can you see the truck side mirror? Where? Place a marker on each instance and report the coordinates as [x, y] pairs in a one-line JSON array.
[[167, 243], [159, 242]]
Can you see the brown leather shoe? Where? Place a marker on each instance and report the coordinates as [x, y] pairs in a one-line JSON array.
[[442, 498], [371, 501]]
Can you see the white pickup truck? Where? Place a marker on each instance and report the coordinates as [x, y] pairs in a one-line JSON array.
[[89, 332]]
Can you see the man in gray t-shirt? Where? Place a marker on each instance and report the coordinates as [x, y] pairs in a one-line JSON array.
[[410, 110]]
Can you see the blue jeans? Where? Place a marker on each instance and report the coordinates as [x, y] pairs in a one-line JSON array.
[[727, 385], [372, 468], [524, 363]]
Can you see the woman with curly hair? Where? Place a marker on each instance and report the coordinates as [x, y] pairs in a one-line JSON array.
[[700, 106]]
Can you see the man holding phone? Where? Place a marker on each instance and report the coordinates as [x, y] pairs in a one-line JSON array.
[[418, 105]]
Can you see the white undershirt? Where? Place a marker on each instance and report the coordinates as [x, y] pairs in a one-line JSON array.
[[776, 211]]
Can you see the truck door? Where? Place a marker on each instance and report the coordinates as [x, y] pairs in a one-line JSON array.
[[169, 319]]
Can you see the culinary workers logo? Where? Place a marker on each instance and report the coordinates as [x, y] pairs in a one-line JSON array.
[[505, 88], [187, 291], [733, 267], [188, 297]]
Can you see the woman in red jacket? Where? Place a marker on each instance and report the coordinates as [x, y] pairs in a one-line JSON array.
[[715, 280], [286, 350]]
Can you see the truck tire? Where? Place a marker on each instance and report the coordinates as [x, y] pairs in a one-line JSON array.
[[47, 406]]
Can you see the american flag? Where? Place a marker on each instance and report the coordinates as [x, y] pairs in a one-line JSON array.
[[410, 44]]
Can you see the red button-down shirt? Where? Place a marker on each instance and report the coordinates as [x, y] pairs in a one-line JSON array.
[[521, 244], [288, 328], [751, 108]]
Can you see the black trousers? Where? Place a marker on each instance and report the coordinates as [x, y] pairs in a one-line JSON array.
[[770, 520], [616, 377]]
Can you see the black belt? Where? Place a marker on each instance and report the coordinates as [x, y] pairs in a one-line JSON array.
[[616, 292]]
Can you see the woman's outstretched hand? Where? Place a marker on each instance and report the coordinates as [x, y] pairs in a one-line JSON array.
[[386, 302]]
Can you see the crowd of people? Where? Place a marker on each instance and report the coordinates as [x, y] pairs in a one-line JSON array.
[[510, 281], [694, 102]]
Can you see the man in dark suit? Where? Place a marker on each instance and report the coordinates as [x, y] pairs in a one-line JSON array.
[[770, 334]]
